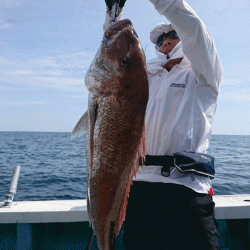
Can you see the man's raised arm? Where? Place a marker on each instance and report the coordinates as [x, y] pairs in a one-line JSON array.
[[198, 44]]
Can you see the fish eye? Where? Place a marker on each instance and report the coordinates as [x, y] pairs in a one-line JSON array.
[[123, 61]]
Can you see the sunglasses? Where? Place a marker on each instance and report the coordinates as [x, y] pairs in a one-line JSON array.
[[172, 34]]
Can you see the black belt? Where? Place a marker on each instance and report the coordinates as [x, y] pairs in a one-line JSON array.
[[166, 161], [186, 162], [158, 160]]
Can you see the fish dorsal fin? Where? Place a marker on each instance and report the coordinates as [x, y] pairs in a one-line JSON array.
[[81, 127]]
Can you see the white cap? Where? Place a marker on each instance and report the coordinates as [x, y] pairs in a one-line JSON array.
[[159, 30]]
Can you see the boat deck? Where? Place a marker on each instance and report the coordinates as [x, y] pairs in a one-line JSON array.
[[63, 224]]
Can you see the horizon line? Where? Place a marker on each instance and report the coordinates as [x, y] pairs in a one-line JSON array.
[[22, 131]]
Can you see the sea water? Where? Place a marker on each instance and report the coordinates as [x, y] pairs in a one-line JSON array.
[[54, 167]]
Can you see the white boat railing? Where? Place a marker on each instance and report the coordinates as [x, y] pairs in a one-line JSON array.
[[13, 187], [226, 207]]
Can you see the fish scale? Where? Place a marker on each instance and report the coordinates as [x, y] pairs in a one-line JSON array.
[[122, 134], [118, 95]]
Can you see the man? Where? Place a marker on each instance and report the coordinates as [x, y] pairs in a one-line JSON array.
[[170, 208]]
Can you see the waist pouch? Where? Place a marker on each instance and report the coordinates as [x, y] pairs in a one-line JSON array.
[[185, 162], [197, 163]]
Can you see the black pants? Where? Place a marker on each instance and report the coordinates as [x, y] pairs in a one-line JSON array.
[[167, 216]]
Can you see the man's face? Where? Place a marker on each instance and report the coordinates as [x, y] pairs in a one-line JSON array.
[[168, 45]]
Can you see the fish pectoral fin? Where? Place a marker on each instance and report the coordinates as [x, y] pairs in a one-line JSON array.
[[81, 127]]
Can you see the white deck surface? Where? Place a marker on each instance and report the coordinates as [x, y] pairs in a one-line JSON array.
[[227, 207], [232, 206], [44, 211]]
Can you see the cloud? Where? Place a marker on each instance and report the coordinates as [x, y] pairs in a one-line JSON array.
[[9, 13], [241, 95], [4, 26], [10, 3], [19, 72], [61, 71], [21, 103], [231, 82], [235, 90], [22, 11]]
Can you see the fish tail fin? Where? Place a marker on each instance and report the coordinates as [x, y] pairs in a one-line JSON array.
[[81, 127], [107, 240], [141, 153]]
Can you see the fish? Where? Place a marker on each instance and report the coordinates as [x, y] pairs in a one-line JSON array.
[[114, 124]]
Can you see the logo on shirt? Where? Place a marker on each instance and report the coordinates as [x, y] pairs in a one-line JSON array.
[[178, 85]]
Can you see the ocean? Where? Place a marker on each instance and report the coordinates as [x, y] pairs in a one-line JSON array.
[[54, 168]]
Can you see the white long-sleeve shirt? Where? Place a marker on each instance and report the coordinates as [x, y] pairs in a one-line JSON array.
[[182, 102]]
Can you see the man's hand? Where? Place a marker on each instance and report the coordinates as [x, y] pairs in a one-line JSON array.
[[110, 3], [171, 63]]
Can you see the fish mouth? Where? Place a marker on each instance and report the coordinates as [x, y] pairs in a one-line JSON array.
[[114, 31], [119, 25]]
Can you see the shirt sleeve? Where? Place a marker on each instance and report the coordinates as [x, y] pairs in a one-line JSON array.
[[198, 45]]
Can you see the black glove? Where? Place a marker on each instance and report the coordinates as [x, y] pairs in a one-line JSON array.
[[110, 3]]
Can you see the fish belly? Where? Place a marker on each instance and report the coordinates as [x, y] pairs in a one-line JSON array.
[[117, 140]]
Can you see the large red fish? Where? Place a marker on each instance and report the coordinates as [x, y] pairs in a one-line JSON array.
[[118, 84]]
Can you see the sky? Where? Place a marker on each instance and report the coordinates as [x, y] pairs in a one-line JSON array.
[[46, 48]]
